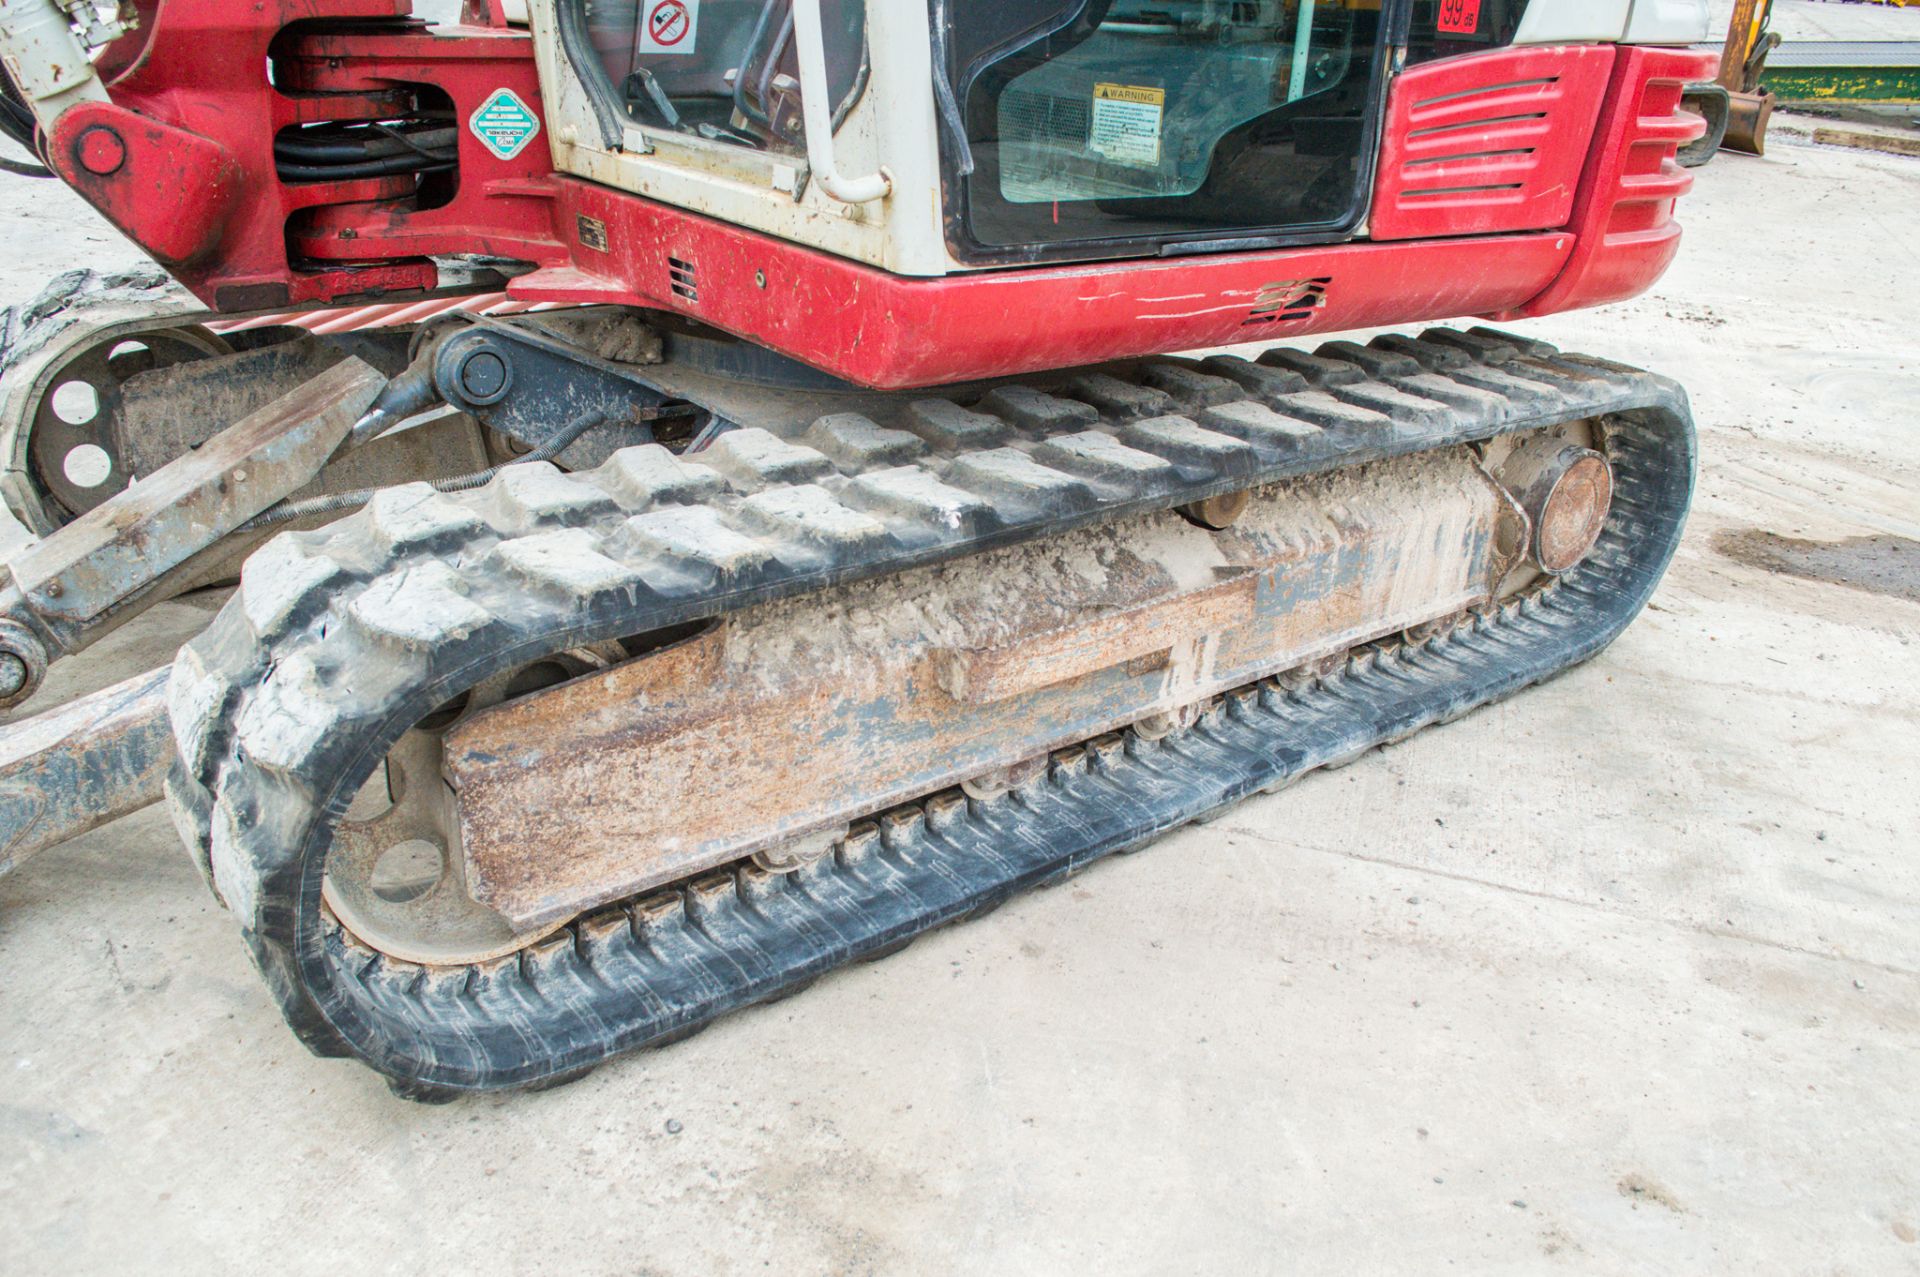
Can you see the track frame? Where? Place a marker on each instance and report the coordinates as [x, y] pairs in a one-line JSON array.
[[282, 709]]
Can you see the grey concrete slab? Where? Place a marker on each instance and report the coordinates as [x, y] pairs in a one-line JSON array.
[[1831, 20]]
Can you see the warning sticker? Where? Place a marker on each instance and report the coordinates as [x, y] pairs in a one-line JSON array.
[[504, 124], [1459, 17], [1126, 123], [669, 26]]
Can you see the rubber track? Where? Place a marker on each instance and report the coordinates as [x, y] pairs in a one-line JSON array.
[[341, 639], [71, 296]]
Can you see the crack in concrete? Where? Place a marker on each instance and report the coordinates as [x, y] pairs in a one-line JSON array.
[[1722, 933]]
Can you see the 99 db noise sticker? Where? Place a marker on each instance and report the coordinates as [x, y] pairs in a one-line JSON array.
[[1459, 17]]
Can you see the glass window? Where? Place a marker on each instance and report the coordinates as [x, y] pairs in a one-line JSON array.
[[1127, 119], [1449, 28], [722, 69]]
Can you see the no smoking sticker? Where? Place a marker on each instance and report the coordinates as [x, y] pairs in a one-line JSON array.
[[669, 26]]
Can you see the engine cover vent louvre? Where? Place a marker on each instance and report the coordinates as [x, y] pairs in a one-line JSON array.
[[682, 279], [1489, 143], [1288, 301]]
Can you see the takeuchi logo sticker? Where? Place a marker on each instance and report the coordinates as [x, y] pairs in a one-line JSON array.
[[504, 124]]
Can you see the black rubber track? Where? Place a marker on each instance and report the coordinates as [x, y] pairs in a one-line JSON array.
[[261, 811]]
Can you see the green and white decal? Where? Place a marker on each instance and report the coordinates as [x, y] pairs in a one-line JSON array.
[[504, 124]]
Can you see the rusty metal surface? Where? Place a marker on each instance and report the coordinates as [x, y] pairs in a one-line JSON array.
[[77, 767], [1031, 662], [1217, 511], [450, 445], [79, 311], [1574, 514], [430, 917], [1566, 491], [74, 581], [1748, 115], [805, 715], [108, 370], [171, 411]]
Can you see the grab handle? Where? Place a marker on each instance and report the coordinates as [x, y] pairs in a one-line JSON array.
[[817, 110]]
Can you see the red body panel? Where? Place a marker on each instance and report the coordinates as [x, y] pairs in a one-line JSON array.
[[503, 207], [1488, 143], [1624, 212], [1513, 182], [889, 331], [171, 191]]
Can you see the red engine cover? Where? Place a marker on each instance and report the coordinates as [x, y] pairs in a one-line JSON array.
[[1624, 213], [1486, 143]]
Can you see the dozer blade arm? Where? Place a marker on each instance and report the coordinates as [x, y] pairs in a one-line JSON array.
[[77, 767]]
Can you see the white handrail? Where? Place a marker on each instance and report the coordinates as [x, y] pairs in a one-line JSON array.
[[816, 108], [46, 59]]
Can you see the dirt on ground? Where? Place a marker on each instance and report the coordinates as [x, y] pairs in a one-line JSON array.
[[1887, 565]]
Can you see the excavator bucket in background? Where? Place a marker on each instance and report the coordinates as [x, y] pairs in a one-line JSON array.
[[1742, 59]]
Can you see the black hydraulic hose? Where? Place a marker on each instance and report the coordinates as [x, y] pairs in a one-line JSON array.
[[435, 144], [316, 148], [17, 123], [391, 166]]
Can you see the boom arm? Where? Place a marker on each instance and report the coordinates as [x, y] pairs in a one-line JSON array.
[[44, 46]]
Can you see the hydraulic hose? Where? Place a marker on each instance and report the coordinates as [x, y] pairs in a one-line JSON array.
[[17, 122]]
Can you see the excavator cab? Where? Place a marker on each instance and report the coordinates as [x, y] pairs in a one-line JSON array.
[[1063, 130]]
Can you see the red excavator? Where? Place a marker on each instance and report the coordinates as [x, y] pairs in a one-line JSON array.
[[708, 490]]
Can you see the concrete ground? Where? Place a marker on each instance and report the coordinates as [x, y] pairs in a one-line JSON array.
[[1831, 19], [1620, 977]]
